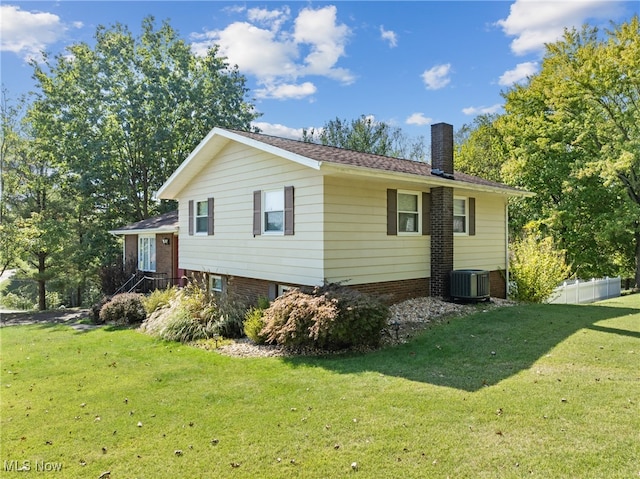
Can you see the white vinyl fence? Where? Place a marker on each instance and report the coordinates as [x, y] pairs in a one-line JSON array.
[[580, 291]]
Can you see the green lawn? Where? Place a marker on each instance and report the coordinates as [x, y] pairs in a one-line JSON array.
[[559, 398]]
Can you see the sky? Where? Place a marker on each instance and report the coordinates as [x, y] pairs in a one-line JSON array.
[[408, 64]]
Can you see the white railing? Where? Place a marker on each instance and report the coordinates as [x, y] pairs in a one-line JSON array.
[[586, 291]]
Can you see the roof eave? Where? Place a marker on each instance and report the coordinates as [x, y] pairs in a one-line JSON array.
[[138, 231], [428, 180]]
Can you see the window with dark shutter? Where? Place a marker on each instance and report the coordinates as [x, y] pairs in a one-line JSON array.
[[191, 217]]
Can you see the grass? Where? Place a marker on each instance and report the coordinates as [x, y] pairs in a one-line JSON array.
[[559, 398]]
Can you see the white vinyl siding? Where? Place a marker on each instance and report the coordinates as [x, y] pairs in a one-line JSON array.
[[357, 247], [487, 249], [232, 178], [340, 226]]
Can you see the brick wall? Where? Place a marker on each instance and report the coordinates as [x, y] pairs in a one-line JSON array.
[[441, 211], [442, 147], [497, 284], [396, 291], [441, 240], [251, 289], [164, 256]]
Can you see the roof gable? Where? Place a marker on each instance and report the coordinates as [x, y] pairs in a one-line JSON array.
[[319, 157]]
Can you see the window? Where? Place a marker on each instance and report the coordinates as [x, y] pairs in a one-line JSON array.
[[464, 216], [459, 215], [283, 288], [202, 216], [274, 211], [408, 213], [215, 283], [147, 253]]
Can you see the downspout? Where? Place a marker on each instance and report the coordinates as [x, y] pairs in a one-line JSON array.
[[506, 248]]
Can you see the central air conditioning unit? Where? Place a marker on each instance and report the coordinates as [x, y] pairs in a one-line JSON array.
[[470, 284]]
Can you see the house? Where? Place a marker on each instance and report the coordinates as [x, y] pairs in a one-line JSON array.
[[259, 214], [150, 246]]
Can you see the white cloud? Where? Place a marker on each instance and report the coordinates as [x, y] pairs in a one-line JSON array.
[[389, 36], [519, 73], [27, 34], [535, 22], [482, 110], [437, 77], [278, 57], [326, 40], [238, 42], [271, 18], [283, 91], [277, 129], [418, 119]]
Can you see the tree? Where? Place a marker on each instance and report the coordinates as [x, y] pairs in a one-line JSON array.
[[573, 136], [367, 135], [11, 143], [39, 212], [479, 149], [117, 119], [129, 110]]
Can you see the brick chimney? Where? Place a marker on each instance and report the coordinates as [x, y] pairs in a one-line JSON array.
[[441, 212], [442, 147]]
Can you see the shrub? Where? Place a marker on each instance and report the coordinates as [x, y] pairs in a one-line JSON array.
[[253, 325], [123, 309], [97, 307], [181, 326], [17, 301], [327, 317], [230, 318], [159, 298], [536, 269]]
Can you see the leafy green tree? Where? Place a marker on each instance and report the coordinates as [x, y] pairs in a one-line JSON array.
[[367, 135], [118, 118], [573, 136], [11, 144], [479, 149], [129, 110], [39, 209]]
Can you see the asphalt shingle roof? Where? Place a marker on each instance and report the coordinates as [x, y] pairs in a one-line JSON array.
[[343, 156]]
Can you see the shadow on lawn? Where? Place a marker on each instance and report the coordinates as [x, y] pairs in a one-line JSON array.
[[480, 350]]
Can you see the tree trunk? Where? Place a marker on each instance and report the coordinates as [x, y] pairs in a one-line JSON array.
[[42, 290], [637, 278]]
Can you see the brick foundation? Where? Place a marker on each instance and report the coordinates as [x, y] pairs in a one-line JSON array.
[[250, 289], [497, 284], [396, 291]]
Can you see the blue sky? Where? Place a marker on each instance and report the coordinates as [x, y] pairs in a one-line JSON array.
[[408, 64]]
